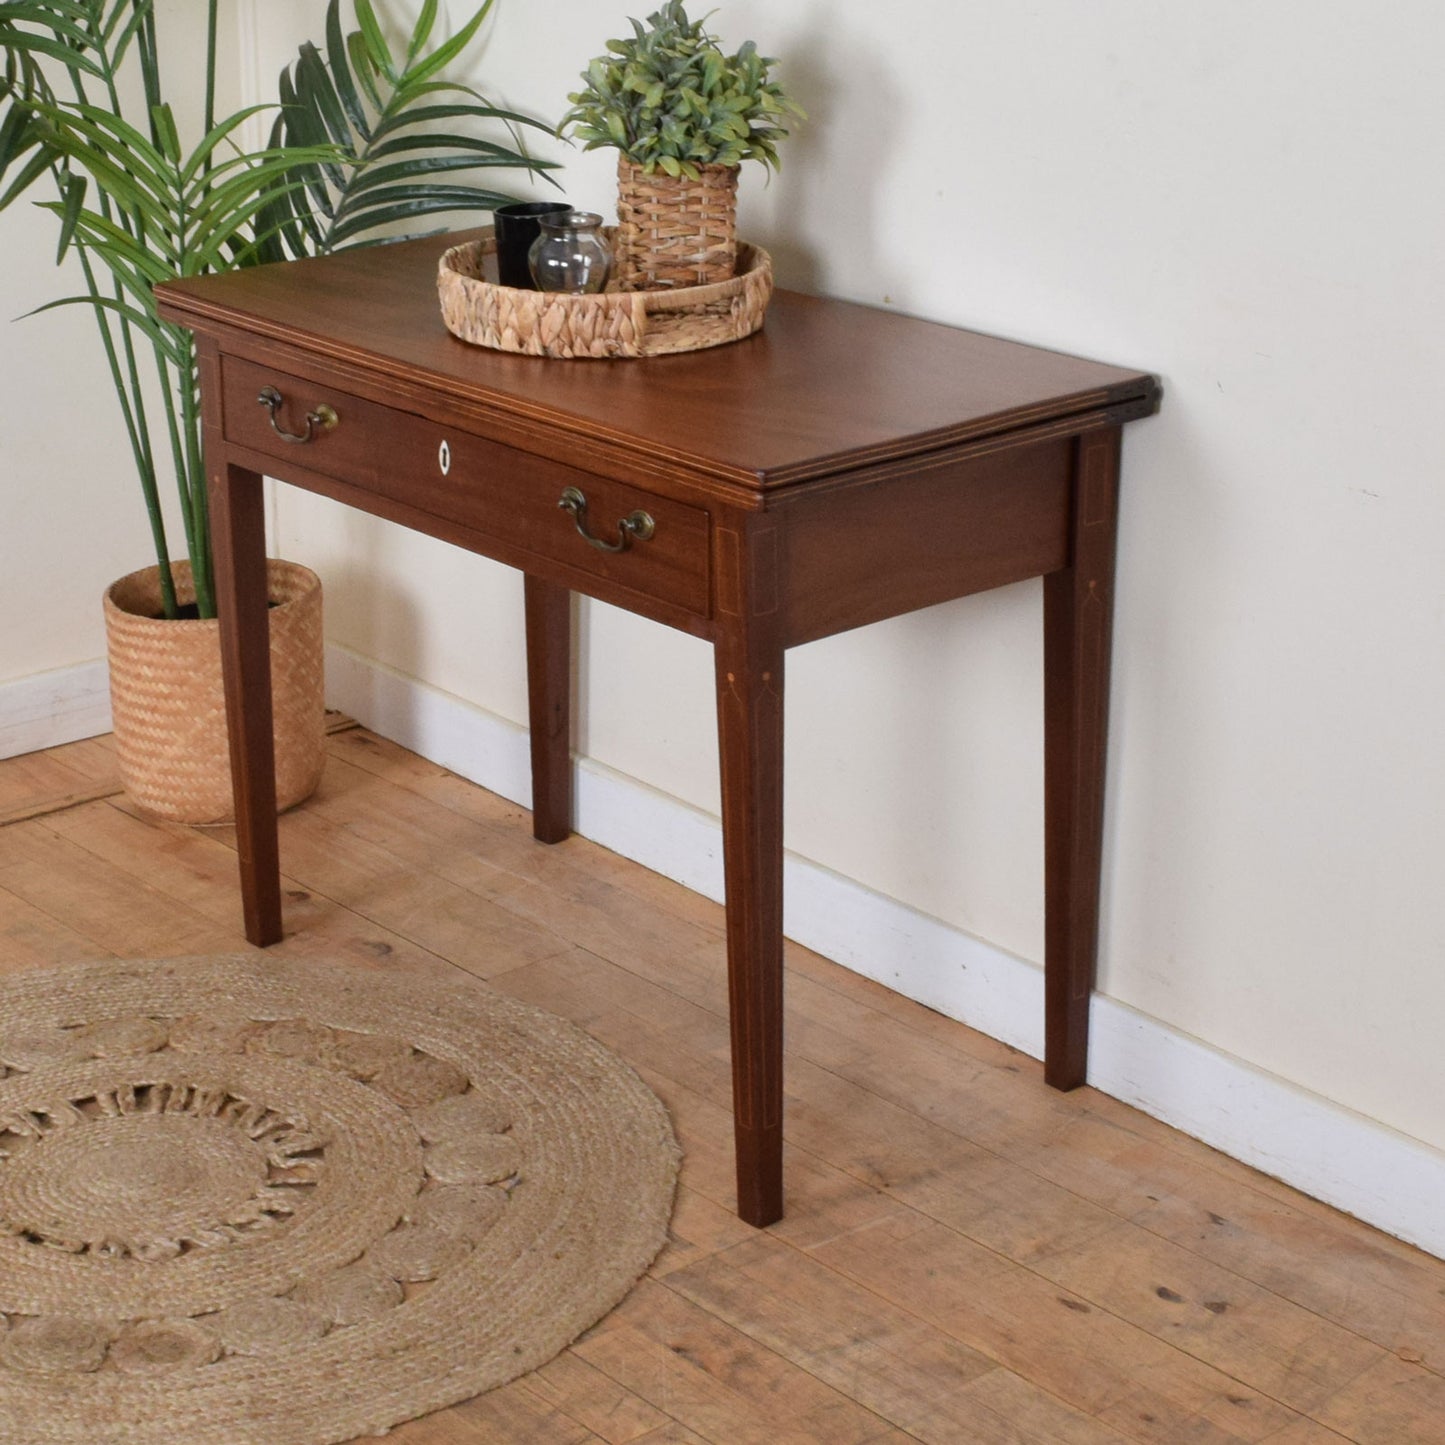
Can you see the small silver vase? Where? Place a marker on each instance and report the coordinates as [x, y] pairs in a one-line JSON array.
[[570, 253]]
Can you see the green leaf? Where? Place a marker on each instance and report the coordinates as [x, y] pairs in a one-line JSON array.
[[375, 41], [255, 181], [206, 146], [121, 45], [67, 23], [419, 167], [670, 73], [431, 114], [37, 12], [112, 133], [150, 69], [421, 32], [70, 58], [224, 228], [119, 10], [341, 71], [315, 90], [304, 126], [291, 221], [407, 190], [428, 201], [480, 149], [73, 198], [36, 166], [269, 230], [361, 63], [127, 191], [100, 234], [444, 54], [163, 122], [17, 135], [144, 204]]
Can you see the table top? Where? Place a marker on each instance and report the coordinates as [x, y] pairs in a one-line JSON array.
[[825, 387]]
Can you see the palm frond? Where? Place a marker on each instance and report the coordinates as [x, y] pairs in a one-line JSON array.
[[206, 148], [429, 115], [135, 15], [366, 137], [31, 171], [340, 71], [55, 46], [383, 112]]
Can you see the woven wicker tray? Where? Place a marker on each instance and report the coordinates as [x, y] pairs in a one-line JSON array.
[[609, 324]]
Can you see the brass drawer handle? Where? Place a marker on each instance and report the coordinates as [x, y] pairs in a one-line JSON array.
[[635, 524], [323, 417]]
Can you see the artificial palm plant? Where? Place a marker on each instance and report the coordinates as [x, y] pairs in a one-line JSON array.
[[366, 137]]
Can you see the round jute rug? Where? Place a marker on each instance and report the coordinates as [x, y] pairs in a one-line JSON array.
[[247, 1201]]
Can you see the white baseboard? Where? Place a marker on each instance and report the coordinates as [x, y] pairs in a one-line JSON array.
[[1354, 1163], [50, 708]]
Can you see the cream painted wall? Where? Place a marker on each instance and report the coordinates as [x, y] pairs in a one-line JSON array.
[[1235, 196], [71, 520], [1232, 195]]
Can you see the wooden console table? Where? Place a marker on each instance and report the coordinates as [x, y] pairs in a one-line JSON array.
[[842, 466]]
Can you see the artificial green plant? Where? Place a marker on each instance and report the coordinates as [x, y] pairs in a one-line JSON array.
[[671, 99], [362, 136]]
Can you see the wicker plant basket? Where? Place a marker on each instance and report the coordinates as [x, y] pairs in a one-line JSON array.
[[610, 323], [168, 704], [672, 231]]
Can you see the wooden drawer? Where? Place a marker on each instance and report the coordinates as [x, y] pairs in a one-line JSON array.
[[497, 490]]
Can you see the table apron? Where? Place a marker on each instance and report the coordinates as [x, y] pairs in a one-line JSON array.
[[481, 543], [482, 494], [947, 527]]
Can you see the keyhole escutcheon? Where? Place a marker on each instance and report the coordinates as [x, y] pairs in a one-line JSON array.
[[444, 457]]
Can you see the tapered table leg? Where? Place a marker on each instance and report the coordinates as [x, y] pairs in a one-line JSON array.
[[238, 537], [1078, 625], [749, 662], [549, 706]]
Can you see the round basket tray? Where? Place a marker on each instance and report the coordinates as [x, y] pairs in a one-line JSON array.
[[611, 323]]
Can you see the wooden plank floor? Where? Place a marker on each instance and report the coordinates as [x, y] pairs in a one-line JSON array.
[[967, 1255]]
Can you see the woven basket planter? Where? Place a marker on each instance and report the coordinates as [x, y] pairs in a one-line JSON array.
[[170, 708], [672, 231]]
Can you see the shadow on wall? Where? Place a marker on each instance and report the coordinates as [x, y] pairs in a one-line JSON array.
[[815, 56]]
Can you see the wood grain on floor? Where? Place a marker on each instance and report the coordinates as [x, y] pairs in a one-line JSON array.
[[967, 1256]]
